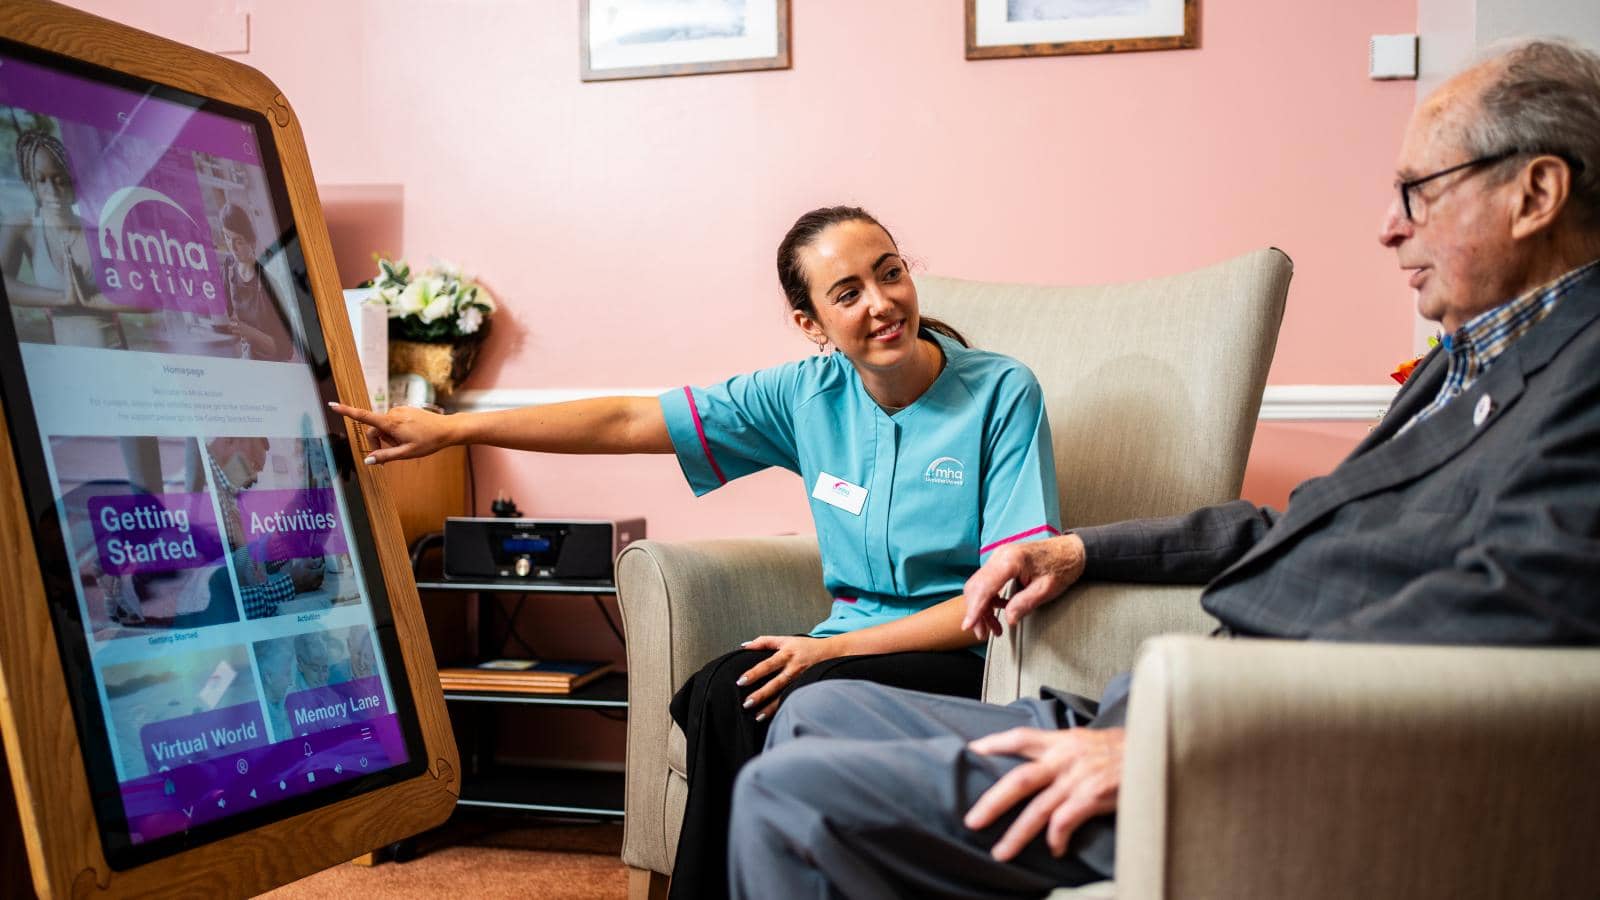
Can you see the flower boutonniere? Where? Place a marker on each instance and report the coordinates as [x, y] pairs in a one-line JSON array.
[[1404, 370]]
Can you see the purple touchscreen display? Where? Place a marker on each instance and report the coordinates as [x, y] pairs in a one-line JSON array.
[[157, 306]]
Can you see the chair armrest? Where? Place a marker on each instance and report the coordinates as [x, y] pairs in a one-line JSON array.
[[1079, 641], [687, 602], [1278, 768], [683, 604]]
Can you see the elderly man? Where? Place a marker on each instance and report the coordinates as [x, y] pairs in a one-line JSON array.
[[1471, 515]]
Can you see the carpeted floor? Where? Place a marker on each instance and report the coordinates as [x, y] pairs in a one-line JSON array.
[[477, 856]]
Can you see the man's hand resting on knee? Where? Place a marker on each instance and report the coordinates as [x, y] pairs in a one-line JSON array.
[[1072, 775], [1042, 570]]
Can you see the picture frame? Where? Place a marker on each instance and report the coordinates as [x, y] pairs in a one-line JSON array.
[[1000, 29], [621, 39]]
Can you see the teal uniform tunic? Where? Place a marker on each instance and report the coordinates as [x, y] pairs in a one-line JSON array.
[[906, 506]]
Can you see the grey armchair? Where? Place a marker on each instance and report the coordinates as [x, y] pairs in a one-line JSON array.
[[1153, 389], [1268, 769]]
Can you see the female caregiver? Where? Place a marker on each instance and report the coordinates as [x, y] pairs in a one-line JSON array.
[[921, 456]]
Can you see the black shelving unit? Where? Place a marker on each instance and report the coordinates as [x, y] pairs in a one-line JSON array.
[[540, 790], [561, 792], [598, 588]]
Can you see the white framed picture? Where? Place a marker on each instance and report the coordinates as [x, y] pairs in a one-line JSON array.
[[654, 38], [1007, 28]]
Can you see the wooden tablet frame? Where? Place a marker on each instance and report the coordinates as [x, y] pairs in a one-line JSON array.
[[36, 719]]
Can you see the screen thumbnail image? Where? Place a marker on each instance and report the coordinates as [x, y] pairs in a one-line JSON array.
[[50, 279], [147, 553], [319, 680], [89, 256], [178, 708], [284, 529], [256, 275], [114, 242]]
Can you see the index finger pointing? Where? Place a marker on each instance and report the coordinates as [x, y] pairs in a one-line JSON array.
[[364, 416]]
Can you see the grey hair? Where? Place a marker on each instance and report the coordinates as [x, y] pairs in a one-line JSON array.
[[1543, 95]]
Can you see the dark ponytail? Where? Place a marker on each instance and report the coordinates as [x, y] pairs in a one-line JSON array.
[[929, 323], [805, 230]]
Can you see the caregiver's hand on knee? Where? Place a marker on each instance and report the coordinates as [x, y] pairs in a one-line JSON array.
[[1072, 775], [792, 655]]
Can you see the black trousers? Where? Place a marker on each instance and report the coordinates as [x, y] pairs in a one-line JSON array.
[[722, 736]]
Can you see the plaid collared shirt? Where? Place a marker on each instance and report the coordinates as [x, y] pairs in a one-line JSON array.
[[1475, 346]]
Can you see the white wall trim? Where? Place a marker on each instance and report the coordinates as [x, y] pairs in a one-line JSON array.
[[1281, 403], [510, 398], [1326, 402]]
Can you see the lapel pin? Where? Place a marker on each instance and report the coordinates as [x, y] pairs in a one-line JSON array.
[[1481, 412]]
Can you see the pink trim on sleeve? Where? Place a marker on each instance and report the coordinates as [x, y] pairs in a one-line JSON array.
[[1019, 536], [700, 430]]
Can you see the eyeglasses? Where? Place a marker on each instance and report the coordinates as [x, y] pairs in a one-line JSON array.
[[1406, 187]]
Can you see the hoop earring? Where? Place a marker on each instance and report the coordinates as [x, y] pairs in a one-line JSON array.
[[822, 345]]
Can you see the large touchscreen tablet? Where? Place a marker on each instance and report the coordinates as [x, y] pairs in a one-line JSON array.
[[227, 643]]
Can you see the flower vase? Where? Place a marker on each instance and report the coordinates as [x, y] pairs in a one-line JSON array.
[[443, 365]]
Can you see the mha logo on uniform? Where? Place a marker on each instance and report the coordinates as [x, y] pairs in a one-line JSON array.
[[945, 470]]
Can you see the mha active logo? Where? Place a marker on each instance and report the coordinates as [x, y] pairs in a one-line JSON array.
[[154, 253], [945, 470]]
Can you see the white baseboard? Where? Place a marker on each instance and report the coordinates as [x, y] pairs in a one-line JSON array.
[[1280, 403]]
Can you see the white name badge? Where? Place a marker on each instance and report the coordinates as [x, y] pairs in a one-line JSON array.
[[835, 491]]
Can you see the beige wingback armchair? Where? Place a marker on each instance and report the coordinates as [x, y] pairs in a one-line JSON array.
[[1258, 770], [1153, 388], [1270, 769]]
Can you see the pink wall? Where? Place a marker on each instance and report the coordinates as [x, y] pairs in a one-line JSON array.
[[1286, 453], [629, 227]]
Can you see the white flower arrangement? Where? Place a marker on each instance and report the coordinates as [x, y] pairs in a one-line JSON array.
[[436, 306]]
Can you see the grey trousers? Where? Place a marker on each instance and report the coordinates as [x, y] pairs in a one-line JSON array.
[[861, 792]]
